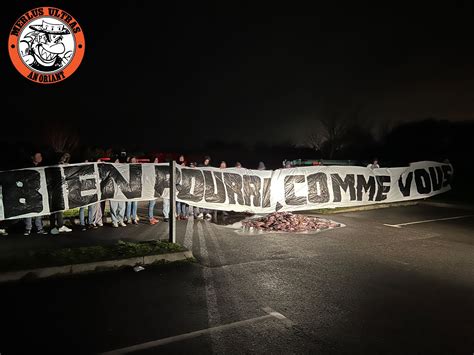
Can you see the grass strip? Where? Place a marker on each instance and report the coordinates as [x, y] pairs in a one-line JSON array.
[[80, 255]]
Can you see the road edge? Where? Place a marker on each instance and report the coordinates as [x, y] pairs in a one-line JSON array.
[[97, 266], [374, 206]]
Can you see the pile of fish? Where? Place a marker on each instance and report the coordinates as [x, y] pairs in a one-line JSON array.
[[288, 222]]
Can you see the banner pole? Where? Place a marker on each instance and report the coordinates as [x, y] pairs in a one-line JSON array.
[[172, 215]]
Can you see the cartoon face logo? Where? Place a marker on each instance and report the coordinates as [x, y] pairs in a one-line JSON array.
[[46, 49]]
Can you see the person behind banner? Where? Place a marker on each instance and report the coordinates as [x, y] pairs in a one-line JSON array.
[[36, 160], [82, 210], [238, 165], [193, 211], [182, 209], [205, 213], [166, 201], [287, 164], [57, 219], [152, 203], [117, 209], [374, 164], [261, 166], [206, 163], [94, 213], [131, 214], [223, 165], [3, 231]]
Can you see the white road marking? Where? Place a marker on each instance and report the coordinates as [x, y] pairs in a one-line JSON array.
[[155, 343], [188, 235], [213, 314], [400, 225], [202, 244], [219, 254], [279, 316], [392, 225]]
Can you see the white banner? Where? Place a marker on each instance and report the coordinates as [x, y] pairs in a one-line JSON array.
[[41, 191]]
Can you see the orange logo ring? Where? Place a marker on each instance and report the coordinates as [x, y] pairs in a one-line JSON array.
[[46, 13]]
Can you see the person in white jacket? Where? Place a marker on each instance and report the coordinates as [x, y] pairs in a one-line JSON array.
[[56, 219], [374, 164], [117, 210]]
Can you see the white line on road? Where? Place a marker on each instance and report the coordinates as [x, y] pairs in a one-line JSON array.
[[400, 225], [202, 244], [188, 235], [155, 343], [279, 316], [213, 314], [219, 254]]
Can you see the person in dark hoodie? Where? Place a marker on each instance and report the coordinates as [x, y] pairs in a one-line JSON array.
[[182, 209], [152, 203], [206, 162], [205, 213], [36, 161], [131, 206]]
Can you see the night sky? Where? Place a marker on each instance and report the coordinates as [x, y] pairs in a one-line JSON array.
[[161, 72]]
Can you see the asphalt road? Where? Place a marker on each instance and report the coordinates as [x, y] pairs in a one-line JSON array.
[[378, 285]]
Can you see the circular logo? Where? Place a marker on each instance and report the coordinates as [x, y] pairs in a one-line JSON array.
[[46, 45]]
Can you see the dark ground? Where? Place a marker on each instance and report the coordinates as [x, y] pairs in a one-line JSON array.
[[367, 288]]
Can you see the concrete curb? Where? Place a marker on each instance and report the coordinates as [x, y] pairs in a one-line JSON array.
[[366, 207], [461, 206], [97, 266]]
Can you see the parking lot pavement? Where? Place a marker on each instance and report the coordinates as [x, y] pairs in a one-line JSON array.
[[365, 288]]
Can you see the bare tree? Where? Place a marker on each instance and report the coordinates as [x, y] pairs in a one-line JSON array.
[[316, 139], [61, 137], [331, 127]]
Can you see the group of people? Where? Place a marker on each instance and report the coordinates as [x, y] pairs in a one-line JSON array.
[[183, 210], [121, 212]]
